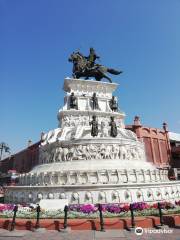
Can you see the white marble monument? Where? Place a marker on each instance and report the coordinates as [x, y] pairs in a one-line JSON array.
[[76, 166]]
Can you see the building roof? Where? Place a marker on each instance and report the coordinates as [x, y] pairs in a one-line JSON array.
[[174, 136]]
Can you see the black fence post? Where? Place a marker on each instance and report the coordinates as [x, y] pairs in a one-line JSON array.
[[160, 214], [101, 218], [38, 210], [132, 216], [14, 218], [65, 216]]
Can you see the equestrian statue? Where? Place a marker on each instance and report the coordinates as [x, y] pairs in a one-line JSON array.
[[87, 67]]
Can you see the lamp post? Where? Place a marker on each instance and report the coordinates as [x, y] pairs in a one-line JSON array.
[[3, 147]]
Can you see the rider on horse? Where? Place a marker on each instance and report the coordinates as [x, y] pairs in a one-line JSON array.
[[87, 66], [92, 58]]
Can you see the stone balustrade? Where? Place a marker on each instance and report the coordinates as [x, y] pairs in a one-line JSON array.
[[93, 177], [122, 194]]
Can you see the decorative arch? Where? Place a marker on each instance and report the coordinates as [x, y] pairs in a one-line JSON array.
[[40, 196], [115, 196], [102, 196], [127, 196], [150, 194], [139, 195], [75, 197], [50, 196], [88, 197], [62, 195]]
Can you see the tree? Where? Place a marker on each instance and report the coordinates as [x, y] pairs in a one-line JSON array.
[[4, 147]]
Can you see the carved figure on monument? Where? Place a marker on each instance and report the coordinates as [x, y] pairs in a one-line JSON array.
[[94, 128], [113, 104], [88, 154], [128, 156], [94, 100], [71, 153], [66, 121], [113, 132], [104, 130], [84, 150], [123, 152], [108, 152], [93, 151], [102, 151], [79, 152], [133, 153], [86, 66], [115, 151], [73, 101], [65, 154]]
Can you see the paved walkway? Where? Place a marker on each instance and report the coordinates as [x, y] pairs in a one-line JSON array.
[[170, 233]]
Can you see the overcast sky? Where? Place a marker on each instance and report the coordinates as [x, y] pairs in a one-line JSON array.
[[142, 38]]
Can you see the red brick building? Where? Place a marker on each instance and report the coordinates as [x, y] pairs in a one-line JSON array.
[[156, 141], [22, 161]]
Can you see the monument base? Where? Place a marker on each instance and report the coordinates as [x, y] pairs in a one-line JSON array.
[[97, 193]]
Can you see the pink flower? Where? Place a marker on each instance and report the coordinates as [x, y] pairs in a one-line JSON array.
[[88, 208], [6, 207]]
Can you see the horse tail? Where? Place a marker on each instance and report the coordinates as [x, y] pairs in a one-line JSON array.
[[113, 71]]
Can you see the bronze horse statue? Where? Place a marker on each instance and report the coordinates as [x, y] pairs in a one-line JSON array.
[[82, 68]]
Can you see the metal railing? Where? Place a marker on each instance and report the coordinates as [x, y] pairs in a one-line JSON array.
[[101, 217]]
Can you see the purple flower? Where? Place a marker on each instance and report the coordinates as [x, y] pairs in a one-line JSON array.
[[88, 208], [139, 206], [6, 207], [75, 207], [113, 208]]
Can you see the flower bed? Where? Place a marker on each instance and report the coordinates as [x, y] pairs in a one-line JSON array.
[[90, 211]]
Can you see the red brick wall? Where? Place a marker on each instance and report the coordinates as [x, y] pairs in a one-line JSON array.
[[157, 145], [6, 164], [22, 161], [148, 149]]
